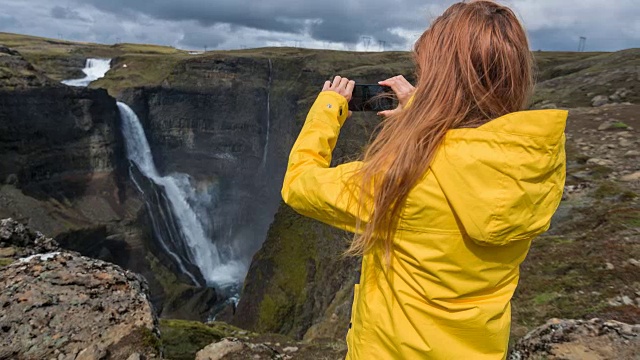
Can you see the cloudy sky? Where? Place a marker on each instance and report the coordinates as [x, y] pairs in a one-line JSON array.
[[337, 24]]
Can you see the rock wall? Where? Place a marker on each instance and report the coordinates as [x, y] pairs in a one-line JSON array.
[[63, 168], [57, 145]]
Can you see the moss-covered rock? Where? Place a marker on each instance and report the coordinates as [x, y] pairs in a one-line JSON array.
[[295, 276]]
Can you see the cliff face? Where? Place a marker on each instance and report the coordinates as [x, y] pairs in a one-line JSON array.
[[60, 158], [58, 144]]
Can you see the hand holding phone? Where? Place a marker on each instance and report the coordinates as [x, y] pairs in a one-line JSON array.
[[403, 91], [341, 85]]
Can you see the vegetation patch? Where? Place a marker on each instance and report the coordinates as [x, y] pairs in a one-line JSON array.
[[607, 189], [619, 125], [290, 274], [577, 274], [182, 339]]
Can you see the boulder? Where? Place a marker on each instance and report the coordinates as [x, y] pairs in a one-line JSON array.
[[599, 100], [631, 177], [599, 162], [580, 339], [65, 306], [219, 350]]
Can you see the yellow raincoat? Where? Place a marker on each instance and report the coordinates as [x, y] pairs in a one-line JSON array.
[[466, 227]]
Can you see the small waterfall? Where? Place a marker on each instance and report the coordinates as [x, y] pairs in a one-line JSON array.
[[94, 69], [177, 226], [265, 151]]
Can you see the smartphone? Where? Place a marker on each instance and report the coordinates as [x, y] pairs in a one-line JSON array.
[[372, 97]]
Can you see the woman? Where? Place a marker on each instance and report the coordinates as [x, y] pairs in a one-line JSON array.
[[449, 195]]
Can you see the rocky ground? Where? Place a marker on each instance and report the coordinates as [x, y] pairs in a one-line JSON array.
[[68, 307], [580, 340]]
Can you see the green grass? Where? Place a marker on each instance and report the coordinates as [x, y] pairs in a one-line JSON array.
[[141, 70], [619, 125], [544, 298], [181, 339], [607, 189]]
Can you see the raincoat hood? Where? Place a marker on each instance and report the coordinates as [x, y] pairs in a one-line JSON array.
[[503, 180]]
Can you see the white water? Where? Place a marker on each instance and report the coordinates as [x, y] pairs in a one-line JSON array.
[[42, 257], [266, 143], [200, 249], [94, 69]]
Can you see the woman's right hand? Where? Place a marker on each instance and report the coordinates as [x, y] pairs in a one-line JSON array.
[[403, 90]]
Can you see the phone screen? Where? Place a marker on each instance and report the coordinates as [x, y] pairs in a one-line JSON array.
[[370, 97]]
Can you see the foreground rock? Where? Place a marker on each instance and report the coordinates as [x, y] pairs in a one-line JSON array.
[[16, 241], [264, 347], [64, 306], [578, 339]]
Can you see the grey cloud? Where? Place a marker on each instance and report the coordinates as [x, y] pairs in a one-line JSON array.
[[66, 13], [200, 39], [243, 13], [341, 20]]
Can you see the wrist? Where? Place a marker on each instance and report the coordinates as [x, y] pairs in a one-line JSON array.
[[332, 105]]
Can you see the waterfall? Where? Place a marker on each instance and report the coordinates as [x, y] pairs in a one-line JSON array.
[[94, 69], [189, 243], [266, 143]]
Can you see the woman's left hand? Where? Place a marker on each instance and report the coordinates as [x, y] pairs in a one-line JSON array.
[[341, 85]]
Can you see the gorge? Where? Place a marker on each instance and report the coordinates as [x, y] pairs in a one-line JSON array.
[[179, 211]]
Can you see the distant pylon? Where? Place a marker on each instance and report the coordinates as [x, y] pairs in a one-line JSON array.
[[582, 44], [382, 44], [366, 41]]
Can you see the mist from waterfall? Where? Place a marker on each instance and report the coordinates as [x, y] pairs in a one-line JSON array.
[[190, 244], [94, 69]]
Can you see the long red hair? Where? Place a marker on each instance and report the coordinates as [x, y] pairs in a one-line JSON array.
[[473, 64]]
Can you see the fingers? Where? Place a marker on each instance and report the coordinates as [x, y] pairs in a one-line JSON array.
[[400, 86], [350, 86], [336, 82], [341, 85], [387, 113], [344, 82]]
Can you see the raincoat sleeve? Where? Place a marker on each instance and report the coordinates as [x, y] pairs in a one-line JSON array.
[[311, 187]]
